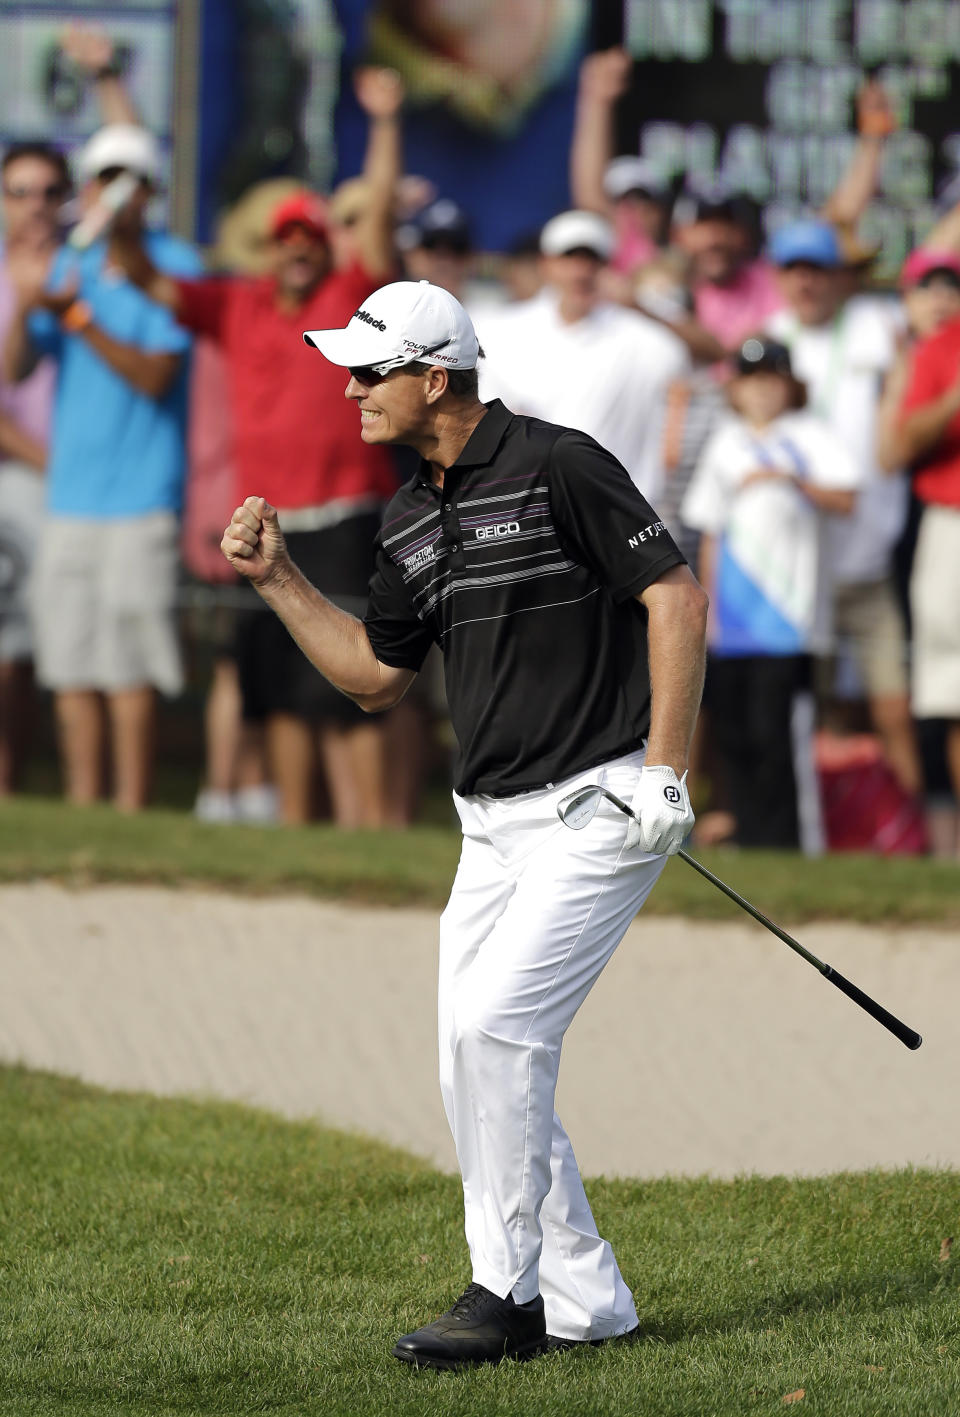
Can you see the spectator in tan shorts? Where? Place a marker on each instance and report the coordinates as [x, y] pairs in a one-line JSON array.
[[841, 348], [107, 565]]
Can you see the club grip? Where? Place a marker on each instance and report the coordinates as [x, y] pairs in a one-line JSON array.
[[908, 1036]]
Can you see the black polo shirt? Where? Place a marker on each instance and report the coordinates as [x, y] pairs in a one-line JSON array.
[[523, 568]]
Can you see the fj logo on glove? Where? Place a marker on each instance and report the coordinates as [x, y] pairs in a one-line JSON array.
[[672, 794]]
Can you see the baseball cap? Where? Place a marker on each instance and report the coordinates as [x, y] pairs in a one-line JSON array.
[[577, 231], [299, 209], [633, 174], [757, 355], [123, 145], [815, 243], [922, 263], [398, 324], [440, 223], [704, 200]]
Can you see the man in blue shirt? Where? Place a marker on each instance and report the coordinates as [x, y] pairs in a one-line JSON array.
[[106, 572]]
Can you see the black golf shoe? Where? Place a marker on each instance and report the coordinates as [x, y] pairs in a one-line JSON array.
[[479, 1328], [562, 1345]]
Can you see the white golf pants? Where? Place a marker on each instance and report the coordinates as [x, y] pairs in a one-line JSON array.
[[535, 913]]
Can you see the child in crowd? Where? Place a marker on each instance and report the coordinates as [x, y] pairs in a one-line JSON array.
[[765, 480]]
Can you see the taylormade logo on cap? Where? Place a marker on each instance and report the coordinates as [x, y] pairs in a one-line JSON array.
[[370, 319], [399, 324]]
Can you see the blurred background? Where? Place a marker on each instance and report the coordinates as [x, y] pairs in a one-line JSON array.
[[739, 116], [756, 95]]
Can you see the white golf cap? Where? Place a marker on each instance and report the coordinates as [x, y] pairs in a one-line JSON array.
[[398, 324], [577, 231], [120, 145], [633, 174]]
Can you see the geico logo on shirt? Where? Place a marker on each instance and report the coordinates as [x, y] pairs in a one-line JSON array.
[[369, 319], [485, 533], [647, 534]]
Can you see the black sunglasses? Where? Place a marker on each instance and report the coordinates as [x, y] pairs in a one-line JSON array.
[[369, 374], [372, 373]]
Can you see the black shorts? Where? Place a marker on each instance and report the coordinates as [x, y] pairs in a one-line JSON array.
[[275, 674]]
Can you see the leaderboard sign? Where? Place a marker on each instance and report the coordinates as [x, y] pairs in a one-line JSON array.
[[761, 94], [43, 96]]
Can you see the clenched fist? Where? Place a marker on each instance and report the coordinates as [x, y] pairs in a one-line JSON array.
[[253, 542]]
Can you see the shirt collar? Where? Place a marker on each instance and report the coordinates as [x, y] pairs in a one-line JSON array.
[[481, 447]]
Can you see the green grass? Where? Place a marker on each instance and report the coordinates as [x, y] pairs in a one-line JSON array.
[[40, 838], [167, 1257]]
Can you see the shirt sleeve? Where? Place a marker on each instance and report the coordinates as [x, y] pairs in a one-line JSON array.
[[396, 634], [705, 505], [203, 304], [928, 377], [603, 521]]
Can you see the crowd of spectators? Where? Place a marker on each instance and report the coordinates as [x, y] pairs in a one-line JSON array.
[[797, 428]]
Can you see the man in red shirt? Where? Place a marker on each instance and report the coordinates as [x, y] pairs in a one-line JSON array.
[[929, 441], [296, 436]]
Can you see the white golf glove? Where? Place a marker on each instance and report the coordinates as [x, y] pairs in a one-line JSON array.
[[663, 806]]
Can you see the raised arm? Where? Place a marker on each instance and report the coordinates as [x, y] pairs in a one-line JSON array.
[[93, 52], [380, 95], [604, 77], [335, 643], [859, 182]]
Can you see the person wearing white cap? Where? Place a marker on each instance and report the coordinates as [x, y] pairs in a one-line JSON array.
[[523, 549], [569, 354], [105, 580]]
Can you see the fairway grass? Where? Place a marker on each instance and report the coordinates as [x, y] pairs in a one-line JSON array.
[[171, 1257], [44, 839]]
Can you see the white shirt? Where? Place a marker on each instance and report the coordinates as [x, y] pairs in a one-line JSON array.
[[843, 365], [770, 594], [605, 375]]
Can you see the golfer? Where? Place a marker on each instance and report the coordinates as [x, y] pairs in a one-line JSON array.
[[572, 633]]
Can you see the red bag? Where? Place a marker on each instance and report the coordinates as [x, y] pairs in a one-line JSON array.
[[864, 806]]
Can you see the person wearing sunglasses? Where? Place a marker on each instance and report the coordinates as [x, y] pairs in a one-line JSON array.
[[571, 631], [104, 586]]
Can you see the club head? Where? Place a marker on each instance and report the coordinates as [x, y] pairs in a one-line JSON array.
[[580, 808]]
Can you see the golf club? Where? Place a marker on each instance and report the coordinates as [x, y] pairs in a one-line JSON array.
[[577, 810]]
